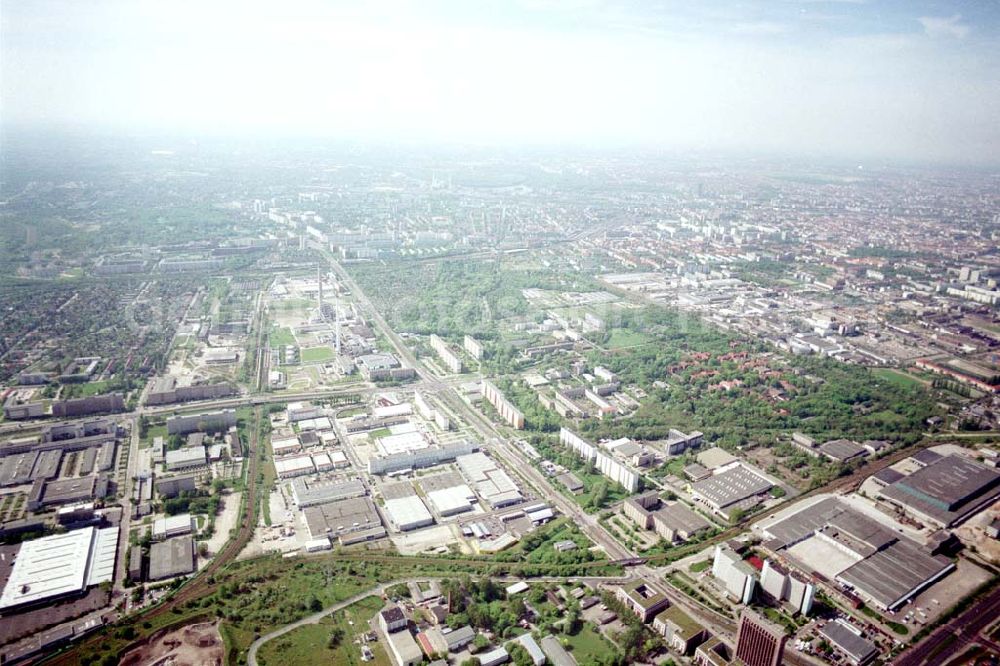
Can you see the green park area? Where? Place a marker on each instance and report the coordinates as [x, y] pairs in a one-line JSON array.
[[331, 640], [587, 645], [898, 378], [317, 354], [621, 338], [281, 336]]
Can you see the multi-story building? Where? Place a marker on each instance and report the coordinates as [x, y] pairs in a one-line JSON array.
[[791, 587], [759, 642], [474, 347], [738, 577], [392, 619], [642, 599], [607, 465], [451, 360], [505, 407], [680, 631]]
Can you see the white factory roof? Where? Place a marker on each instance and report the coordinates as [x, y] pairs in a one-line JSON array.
[[281, 445], [289, 465], [183, 456], [402, 443], [408, 512], [402, 409], [492, 483], [339, 458], [170, 524], [61, 564], [452, 500], [404, 427], [321, 423], [322, 459]]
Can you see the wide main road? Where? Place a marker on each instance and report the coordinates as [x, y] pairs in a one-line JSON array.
[[497, 441], [949, 639], [517, 462]]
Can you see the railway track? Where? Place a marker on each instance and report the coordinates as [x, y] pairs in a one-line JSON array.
[[199, 585]]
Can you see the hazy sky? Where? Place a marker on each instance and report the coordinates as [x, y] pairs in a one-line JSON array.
[[901, 79]]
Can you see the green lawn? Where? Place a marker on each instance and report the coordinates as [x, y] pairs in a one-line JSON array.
[[899, 378], [588, 644], [698, 567], [624, 337], [293, 304], [316, 354], [308, 644], [280, 336]]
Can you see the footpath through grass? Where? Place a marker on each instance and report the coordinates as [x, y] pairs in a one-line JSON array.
[[311, 644]]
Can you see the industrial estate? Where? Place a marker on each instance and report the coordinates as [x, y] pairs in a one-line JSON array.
[[453, 413]]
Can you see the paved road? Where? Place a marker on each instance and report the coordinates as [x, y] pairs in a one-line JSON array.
[[965, 629]]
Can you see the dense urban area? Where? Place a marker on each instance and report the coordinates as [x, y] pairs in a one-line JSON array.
[[326, 404]]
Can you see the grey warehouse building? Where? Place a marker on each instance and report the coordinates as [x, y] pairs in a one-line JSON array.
[[880, 565], [945, 492], [170, 558]]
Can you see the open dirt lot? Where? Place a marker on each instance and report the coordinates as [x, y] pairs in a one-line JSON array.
[[193, 645], [973, 533]]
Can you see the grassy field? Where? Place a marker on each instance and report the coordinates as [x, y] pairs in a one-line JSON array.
[[587, 644], [280, 336], [158, 429], [623, 337], [317, 354], [289, 304], [899, 378], [698, 567], [309, 644]]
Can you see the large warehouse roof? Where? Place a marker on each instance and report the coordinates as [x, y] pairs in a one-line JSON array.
[[408, 513], [946, 490], [61, 564], [173, 557], [731, 486], [452, 500], [348, 515], [893, 575]]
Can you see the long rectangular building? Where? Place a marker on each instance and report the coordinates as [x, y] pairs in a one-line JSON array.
[[428, 456], [207, 422], [945, 492], [451, 360], [608, 466], [508, 412], [60, 565]]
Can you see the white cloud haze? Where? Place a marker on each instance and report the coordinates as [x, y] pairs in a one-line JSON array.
[[918, 87]]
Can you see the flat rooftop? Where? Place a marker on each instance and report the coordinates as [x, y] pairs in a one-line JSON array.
[[348, 515], [173, 557], [60, 564], [891, 575], [687, 628], [310, 493], [842, 449], [732, 486], [946, 490], [680, 518], [408, 512], [804, 523], [644, 594], [848, 642], [60, 491]]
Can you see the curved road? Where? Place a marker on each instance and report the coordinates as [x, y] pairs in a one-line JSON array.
[[379, 590]]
